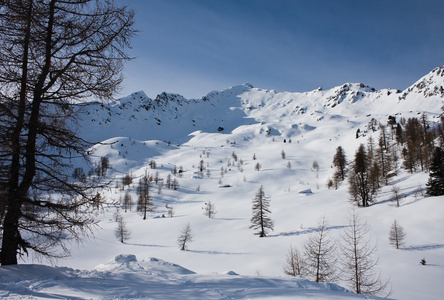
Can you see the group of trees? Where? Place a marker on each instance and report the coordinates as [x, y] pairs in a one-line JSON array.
[[53, 55], [353, 260], [374, 163]]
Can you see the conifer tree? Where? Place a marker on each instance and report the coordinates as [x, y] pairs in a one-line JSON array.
[[396, 235], [145, 203], [340, 163], [319, 255], [360, 187], [261, 210], [185, 237], [127, 201], [294, 263], [122, 232], [55, 55], [435, 184], [209, 209], [358, 268]]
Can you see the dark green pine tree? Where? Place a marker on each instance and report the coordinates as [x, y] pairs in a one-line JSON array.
[[261, 209], [435, 185]]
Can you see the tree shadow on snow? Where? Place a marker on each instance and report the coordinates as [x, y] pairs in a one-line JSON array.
[[423, 247], [146, 245], [218, 252], [306, 231]]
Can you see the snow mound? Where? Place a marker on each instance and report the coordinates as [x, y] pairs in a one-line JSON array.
[[153, 278]]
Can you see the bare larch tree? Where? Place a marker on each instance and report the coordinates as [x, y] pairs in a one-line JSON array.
[[185, 237], [54, 55], [145, 202], [294, 262], [319, 255], [358, 259], [396, 235], [209, 209], [122, 232]]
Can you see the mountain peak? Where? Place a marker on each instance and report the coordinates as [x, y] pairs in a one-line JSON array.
[[431, 84]]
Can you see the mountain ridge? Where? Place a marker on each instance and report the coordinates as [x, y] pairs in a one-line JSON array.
[[223, 111]]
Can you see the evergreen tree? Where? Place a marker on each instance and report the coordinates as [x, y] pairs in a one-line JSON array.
[[340, 163], [104, 165], [435, 184], [360, 187], [399, 134], [261, 209]]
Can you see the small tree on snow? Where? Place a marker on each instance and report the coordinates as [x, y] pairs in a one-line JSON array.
[[397, 196], [261, 209], [294, 262], [315, 166], [185, 237], [209, 209], [170, 211], [122, 232], [396, 235]]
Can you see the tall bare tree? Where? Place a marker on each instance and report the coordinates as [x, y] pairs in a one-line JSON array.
[[54, 54], [145, 203], [358, 259], [319, 255]]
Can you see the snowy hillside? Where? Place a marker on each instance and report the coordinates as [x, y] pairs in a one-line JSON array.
[[244, 138]]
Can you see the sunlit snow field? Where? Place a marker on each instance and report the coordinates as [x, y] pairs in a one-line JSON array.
[[226, 260]]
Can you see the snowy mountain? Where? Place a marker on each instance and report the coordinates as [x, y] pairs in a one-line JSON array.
[[172, 117], [230, 133]]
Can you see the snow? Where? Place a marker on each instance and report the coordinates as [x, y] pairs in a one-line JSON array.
[[226, 260], [126, 277]]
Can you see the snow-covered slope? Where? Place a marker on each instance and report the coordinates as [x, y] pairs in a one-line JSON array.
[[232, 131]]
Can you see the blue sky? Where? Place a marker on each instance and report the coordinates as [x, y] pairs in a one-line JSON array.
[[192, 47]]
